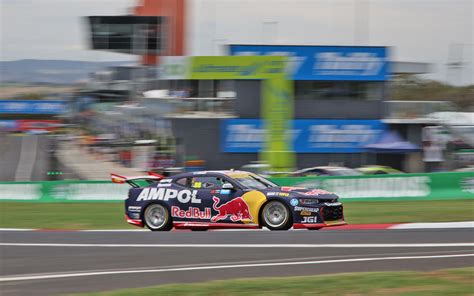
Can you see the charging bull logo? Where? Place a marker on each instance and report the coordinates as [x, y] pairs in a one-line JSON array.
[[237, 209]]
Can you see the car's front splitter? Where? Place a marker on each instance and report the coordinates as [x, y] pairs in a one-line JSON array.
[[316, 225]]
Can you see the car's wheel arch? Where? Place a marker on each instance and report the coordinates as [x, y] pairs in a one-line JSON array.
[[159, 202], [284, 202]]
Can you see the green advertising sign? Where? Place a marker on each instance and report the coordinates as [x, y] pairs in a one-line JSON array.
[[238, 67], [277, 94], [435, 186]]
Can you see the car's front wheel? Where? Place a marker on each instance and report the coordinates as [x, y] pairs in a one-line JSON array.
[[157, 218], [276, 216]]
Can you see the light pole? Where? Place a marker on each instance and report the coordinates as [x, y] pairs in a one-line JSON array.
[[273, 36]]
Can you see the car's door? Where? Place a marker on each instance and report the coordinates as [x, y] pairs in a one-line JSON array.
[[222, 196]]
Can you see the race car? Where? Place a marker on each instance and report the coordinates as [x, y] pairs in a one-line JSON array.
[[226, 199]]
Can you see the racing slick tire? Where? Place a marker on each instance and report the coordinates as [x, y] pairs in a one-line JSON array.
[[276, 216], [157, 218]]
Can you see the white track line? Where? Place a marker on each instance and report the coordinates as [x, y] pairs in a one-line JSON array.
[[468, 224], [27, 158], [408, 245], [98, 273]]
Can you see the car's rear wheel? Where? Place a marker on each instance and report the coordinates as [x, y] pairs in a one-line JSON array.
[[157, 218], [276, 216]]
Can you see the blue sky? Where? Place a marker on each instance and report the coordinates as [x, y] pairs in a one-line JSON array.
[[432, 31]]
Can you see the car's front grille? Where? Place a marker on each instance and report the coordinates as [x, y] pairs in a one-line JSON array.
[[331, 213]]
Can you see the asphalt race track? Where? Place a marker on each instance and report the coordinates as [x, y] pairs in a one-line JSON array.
[[48, 263]]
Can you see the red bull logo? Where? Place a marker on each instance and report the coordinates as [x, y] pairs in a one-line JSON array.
[[237, 209]]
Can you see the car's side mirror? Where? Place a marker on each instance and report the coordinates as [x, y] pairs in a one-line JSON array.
[[228, 186]]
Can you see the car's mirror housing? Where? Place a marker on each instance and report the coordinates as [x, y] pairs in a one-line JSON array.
[[228, 186]]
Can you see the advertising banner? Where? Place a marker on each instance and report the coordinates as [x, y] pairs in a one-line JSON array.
[[433, 186], [238, 67], [305, 135], [37, 125], [32, 107], [8, 125], [349, 63], [63, 191]]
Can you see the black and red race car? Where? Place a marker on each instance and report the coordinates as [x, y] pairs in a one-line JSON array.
[[226, 199]]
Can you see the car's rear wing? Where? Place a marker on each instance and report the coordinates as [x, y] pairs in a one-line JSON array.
[[132, 181]]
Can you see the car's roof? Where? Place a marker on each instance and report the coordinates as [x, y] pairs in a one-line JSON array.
[[229, 173]]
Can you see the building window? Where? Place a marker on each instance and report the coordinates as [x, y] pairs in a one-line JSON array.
[[342, 90]]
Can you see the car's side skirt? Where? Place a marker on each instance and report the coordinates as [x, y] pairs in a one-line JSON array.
[[210, 225]]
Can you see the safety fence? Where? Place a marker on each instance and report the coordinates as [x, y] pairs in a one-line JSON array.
[[433, 186]]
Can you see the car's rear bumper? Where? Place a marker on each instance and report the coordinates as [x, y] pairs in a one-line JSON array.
[[135, 222]]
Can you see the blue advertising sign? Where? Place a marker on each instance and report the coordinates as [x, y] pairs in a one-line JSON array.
[[345, 63], [32, 107], [308, 135], [8, 125]]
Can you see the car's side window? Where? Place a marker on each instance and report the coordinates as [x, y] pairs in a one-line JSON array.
[[207, 182], [186, 182]]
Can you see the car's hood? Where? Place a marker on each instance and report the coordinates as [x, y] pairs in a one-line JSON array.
[[301, 192]]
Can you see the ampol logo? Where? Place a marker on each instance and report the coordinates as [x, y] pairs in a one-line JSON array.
[[236, 208]]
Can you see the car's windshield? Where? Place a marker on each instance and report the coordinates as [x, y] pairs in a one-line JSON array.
[[252, 181]]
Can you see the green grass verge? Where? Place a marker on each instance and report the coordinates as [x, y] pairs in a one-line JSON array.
[[441, 282], [111, 215]]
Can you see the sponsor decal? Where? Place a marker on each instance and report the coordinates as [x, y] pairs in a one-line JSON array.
[[294, 202], [134, 209], [183, 196], [332, 204], [316, 192], [192, 212], [134, 215], [282, 194], [165, 183], [220, 191], [286, 188], [236, 208], [301, 209], [308, 201], [312, 219], [305, 213]]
